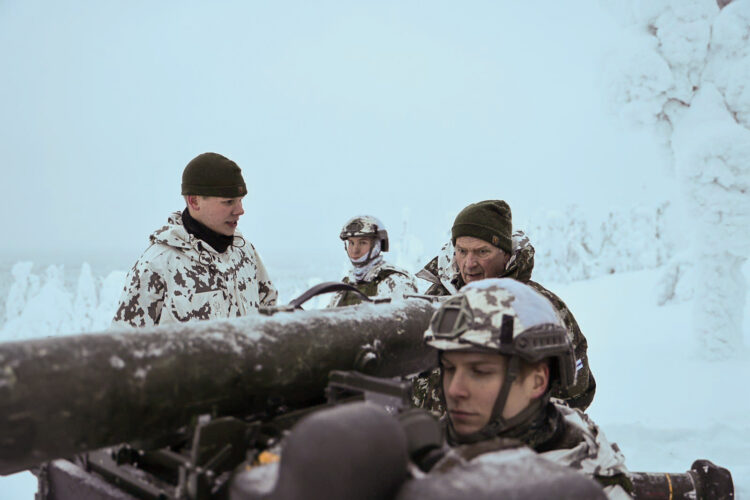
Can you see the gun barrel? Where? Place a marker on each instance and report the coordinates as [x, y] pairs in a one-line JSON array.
[[61, 396]]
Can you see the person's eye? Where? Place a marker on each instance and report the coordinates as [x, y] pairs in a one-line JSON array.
[[448, 369], [482, 372]]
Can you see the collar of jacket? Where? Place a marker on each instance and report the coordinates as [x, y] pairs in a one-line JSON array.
[[542, 430], [217, 241], [174, 234]]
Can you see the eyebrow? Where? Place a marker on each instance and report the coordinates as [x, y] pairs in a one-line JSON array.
[[483, 247]]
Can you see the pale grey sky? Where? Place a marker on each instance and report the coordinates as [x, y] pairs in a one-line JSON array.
[[331, 108]]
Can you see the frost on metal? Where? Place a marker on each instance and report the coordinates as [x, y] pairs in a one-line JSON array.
[[116, 362]]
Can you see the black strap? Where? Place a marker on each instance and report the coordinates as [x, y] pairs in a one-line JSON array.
[[326, 287]]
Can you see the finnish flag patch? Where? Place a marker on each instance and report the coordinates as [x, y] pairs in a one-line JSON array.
[[579, 365]]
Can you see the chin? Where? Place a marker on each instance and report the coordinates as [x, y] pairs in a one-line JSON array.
[[464, 430]]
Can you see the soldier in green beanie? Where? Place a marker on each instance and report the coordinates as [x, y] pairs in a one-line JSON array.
[[483, 245], [198, 266]]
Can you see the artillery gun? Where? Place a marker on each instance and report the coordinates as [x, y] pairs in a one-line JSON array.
[[203, 406]]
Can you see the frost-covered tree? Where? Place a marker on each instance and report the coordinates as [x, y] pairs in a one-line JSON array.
[[47, 312], [688, 76], [53, 309], [571, 246], [712, 156], [86, 301], [25, 285], [408, 250], [110, 289]]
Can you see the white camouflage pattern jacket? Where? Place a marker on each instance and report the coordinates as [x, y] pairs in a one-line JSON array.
[[397, 283], [181, 278], [594, 455]]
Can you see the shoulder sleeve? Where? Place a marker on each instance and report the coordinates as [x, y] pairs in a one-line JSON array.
[[396, 285], [267, 292], [143, 296], [581, 394]]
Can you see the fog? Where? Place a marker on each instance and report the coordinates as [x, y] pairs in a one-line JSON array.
[[406, 110]]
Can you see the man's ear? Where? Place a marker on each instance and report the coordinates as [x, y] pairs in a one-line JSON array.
[[193, 201], [540, 379]]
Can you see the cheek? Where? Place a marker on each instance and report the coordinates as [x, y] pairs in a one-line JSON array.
[[492, 388], [491, 264], [518, 399]]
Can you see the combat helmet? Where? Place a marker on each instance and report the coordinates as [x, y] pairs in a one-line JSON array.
[[365, 225], [505, 316]]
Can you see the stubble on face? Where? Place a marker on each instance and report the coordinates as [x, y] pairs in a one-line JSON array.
[[477, 259]]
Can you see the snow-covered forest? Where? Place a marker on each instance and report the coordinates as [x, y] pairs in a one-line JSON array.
[[617, 130]]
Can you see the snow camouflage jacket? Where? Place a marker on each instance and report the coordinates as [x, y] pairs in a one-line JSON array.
[[446, 280], [580, 445], [181, 278], [594, 455], [382, 281]]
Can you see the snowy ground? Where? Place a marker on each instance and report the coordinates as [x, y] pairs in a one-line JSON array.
[[656, 398]]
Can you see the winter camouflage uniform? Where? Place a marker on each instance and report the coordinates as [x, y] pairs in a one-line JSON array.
[[446, 280], [382, 281], [181, 278], [370, 274], [511, 319], [567, 437]]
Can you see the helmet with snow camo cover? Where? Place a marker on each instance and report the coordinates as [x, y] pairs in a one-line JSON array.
[[506, 317], [365, 225]]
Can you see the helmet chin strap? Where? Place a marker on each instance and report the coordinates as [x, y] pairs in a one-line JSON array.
[[497, 423], [365, 259]]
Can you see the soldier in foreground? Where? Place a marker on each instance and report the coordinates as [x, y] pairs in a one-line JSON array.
[[502, 352], [365, 239], [483, 246], [198, 266]]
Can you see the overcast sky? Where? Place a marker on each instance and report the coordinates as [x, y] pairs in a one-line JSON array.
[[330, 108]]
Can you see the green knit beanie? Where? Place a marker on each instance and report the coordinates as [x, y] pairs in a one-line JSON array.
[[488, 220], [211, 174]]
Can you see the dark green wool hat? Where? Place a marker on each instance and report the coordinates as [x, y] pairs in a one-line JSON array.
[[488, 220], [211, 174]]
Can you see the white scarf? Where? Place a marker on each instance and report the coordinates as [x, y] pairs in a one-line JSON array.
[[364, 264]]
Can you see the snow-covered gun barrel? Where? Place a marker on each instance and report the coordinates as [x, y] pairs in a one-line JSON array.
[[61, 396]]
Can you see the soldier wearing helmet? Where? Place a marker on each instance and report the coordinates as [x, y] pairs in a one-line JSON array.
[[365, 239], [483, 246], [503, 350]]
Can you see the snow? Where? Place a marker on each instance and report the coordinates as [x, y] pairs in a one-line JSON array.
[[662, 403], [633, 192], [685, 75]]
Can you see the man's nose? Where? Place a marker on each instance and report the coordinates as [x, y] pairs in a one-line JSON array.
[[238, 208], [470, 260], [457, 386]]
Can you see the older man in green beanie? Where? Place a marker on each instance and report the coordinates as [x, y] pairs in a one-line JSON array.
[[198, 266], [482, 246]]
